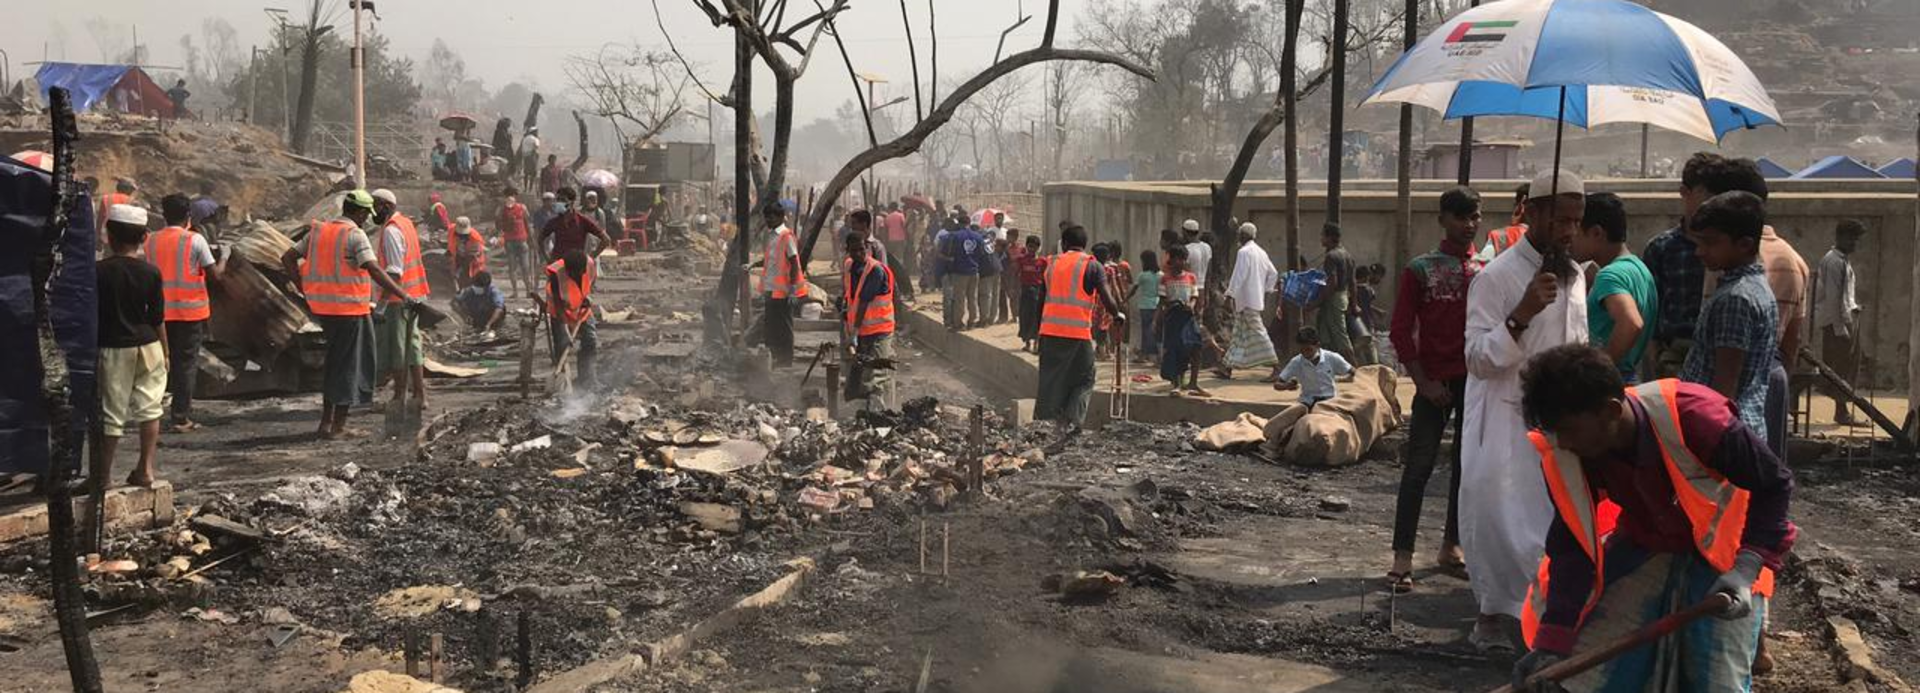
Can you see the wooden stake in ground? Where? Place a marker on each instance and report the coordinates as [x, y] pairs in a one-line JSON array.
[[524, 653], [410, 650], [434, 649], [946, 556], [923, 547]]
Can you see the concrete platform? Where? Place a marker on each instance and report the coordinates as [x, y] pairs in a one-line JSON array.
[[993, 352]]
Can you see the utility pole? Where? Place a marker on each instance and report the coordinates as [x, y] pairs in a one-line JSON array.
[[1645, 134], [359, 63], [1466, 142], [1337, 136], [286, 47], [253, 83], [1403, 214]]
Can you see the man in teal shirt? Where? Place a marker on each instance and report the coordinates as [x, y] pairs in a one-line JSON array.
[[1623, 305]]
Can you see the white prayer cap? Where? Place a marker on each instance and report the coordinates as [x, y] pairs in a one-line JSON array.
[[1249, 229], [1190, 225], [463, 221], [1543, 185], [386, 195], [128, 214]]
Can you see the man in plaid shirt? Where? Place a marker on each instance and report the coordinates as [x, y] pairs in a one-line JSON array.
[[1678, 276], [1736, 336]]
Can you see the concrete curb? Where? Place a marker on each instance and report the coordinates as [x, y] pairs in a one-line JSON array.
[[1012, 373], [655, 653], [127, 507]]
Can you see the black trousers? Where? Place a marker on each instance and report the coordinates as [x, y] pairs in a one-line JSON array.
[[1422, 451], [777, 330], [183, 368]]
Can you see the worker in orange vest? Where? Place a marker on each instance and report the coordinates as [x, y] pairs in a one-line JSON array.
[[1702, 511], [438, 212], [398, 351], [334, 266], [869, 322], [469, 252], [569, 302], [1500, 239], [123, 191], [782, 281], [186, 261], [1074, 281]]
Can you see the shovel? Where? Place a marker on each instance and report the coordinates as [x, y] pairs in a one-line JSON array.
[[1571, 666], [561, 381]]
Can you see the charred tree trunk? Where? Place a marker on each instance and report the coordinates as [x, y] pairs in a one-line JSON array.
[[1289, 77], [309, 82], [1403, 214], [64, 422], [1337, 119], [1227, 191], [910, 142]]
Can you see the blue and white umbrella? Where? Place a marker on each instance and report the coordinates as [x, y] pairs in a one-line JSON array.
[[1583, 62]]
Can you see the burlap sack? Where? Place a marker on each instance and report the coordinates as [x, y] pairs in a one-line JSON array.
[[1340, 430], [1244, 431]]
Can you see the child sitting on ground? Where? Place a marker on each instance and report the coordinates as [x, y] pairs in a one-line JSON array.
[[1314, 370]]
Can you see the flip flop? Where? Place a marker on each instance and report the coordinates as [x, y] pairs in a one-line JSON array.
[[1400, 583], [1454, 567], [184, 427]]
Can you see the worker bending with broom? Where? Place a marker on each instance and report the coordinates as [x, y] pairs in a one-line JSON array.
[[569, 302], [1702, 507]]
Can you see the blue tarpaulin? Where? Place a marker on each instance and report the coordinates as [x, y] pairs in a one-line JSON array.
[[129, 87], [1773, 169], [1898, 168], [1838, 166], [24, 195]]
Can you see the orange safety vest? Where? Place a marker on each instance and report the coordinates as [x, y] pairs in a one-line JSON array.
[[879, 318], [775, 281], [1715, 507], [182, 283], [107, 202], [1502, 239], [470, 236], [573, 293], [413, 274], [334, 285], [1068, 311]]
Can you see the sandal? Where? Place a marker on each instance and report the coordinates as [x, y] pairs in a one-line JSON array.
[[183, 426], [1450, 565], [1400, 583]]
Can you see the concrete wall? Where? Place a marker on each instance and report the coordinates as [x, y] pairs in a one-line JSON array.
[[1804, 212]]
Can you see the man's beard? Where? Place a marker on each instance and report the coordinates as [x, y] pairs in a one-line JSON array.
[[1555, 258]]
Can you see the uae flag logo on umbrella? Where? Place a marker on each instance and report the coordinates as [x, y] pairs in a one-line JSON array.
[[1481, 32]]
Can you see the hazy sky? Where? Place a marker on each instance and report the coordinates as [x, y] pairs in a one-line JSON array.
[[504, 40]]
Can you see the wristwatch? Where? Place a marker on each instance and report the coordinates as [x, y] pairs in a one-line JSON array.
[[1516, 325]]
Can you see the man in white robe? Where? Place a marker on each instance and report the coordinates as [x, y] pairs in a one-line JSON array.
[[1526, 301], [1253, 277]]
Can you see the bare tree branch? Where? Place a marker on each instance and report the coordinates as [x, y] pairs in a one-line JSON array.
[[913, 57], [1053, 18], [933, 56], [866, 113], [726, 100], [909, 142], [631, 84], [1003, 37]]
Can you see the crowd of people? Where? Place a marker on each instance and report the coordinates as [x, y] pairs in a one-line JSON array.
[[1608, 407]]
